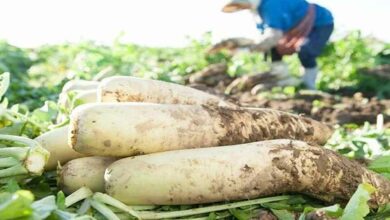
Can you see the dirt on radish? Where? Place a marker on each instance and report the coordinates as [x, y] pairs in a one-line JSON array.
[[240, 172], [109, 129]]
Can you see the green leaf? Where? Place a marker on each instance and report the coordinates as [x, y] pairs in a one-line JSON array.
[[294, 204], [12, 186], [212, 216], [46, 113], [44, 207], [333, 211], [63, 215], [357, 207], [61, 200], [14, 129], [383, 212], [276, 205], [381, 165], [15, 205], [305, 212], [283, 214], [240, 214], [4, 83], [40, 189]]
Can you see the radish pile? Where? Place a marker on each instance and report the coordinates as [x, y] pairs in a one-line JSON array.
[[148, 142]]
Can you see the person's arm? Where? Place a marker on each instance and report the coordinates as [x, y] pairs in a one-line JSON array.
[[267, 40], [272, 17]]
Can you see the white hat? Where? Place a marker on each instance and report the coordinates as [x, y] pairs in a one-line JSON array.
[[237, 5]]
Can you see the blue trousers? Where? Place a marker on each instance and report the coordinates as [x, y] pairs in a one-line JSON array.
[[312, 48]]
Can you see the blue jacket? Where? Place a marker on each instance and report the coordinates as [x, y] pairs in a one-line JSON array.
[[286, 14]]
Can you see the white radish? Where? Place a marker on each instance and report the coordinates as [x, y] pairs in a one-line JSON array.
[[56, 142], [79, 85], [126, 129], [132, 89], [240, 172], [84, 172]]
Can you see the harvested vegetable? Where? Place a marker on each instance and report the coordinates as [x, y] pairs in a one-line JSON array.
[[240, 172], [56, 142], [84, 172], [132, 89], [211, 75], [21, 156], [126, 129], [86, 96], [73, 85], [231, 45]]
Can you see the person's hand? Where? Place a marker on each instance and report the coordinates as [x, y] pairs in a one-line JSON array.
[[294, 39]]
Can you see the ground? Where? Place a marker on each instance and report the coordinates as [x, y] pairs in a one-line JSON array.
[[332, 109]]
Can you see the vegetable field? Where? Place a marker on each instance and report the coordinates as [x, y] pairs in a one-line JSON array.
[[123, 131]]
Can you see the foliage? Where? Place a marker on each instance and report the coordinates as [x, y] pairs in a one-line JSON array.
[[39, 73], [343, 62], [342, 59], [357, 207], [16, 205], [367, 142], [17, 62]]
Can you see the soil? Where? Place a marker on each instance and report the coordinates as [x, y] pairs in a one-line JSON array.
[[331, 110], [342, 108], [381, 71]]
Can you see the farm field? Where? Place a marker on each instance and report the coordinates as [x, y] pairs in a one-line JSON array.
[[353, 99]]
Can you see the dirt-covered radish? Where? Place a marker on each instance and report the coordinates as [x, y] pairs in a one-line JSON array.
[[84, 172], [132, 89], [240, 172], [126, 129], [56, 142]]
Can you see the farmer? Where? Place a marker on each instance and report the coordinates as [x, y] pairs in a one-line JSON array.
[[288, 27]]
